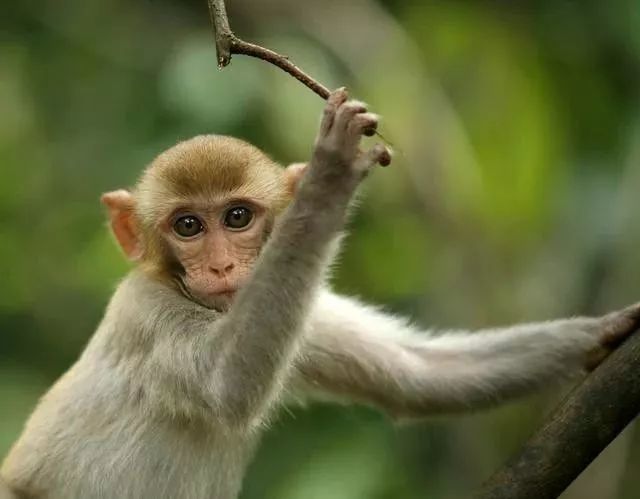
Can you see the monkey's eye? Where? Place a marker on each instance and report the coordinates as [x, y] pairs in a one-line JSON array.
[[188, 226], [238, 217]]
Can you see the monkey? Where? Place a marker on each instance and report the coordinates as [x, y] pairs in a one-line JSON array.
[[5, 493], [227, 314]]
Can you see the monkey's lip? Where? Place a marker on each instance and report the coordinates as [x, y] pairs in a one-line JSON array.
[[224, 290]]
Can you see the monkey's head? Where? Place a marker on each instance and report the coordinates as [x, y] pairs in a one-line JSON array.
[[200, 214]]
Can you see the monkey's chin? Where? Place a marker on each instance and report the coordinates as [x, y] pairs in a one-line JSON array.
[[219, 301]]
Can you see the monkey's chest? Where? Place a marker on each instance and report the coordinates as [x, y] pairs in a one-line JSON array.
[[196, 464]]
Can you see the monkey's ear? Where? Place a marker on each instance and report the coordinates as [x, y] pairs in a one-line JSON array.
[[121, 206], [293, 174]]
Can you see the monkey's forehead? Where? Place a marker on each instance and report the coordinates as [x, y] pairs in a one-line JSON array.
[[211, 163], [207, 168]]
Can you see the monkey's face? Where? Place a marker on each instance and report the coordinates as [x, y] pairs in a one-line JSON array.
[[214, 247], [200, 214]]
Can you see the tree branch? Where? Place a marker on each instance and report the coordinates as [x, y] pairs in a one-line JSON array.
[[584, 424], [227, 44]]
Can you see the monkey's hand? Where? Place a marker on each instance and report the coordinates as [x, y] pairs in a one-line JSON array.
[[337, 158], [611, 330]]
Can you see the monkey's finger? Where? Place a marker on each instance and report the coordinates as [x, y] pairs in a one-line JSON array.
[[595, 358], [361, 123], [384, 158], [335, 100], [346, 112], [377, 155], [633, 312], [618, 325], [370, 132]]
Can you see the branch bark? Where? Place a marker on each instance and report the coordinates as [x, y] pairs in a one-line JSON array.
[[227, 44], [585, 423]]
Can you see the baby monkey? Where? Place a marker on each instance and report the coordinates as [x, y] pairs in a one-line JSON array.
[[228, 312]]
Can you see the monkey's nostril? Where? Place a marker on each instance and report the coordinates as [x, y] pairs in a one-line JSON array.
[[220, 271]]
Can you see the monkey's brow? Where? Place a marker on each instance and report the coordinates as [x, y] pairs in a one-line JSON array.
[[213, 205]]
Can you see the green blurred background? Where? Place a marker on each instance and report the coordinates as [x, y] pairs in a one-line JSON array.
[[513, 196]]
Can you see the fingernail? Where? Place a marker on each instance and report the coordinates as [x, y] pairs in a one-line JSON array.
[[385, 159]]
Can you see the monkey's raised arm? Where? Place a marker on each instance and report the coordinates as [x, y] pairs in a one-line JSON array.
[[359, 353], [259, 334]]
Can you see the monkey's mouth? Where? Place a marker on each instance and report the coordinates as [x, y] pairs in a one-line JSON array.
[[227, 289]]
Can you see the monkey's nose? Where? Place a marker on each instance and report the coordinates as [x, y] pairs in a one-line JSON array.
[[222, 270]]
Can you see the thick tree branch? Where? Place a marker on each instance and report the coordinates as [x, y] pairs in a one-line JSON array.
[[228, 44], [584, 424]]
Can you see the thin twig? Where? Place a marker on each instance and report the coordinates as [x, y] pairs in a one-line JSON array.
[[227, 44]]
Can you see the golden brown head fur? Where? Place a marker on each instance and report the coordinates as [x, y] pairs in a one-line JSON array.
[[208, 167]]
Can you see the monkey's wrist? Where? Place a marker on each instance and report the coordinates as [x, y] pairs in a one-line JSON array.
[[325, 190], [333, 180]]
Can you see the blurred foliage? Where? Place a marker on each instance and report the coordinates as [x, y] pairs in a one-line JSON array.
[[513, 195]]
